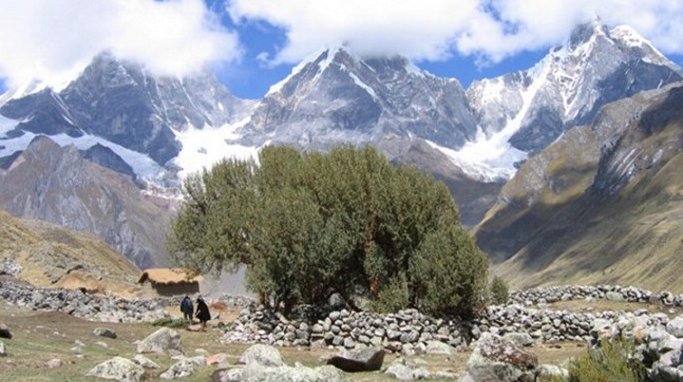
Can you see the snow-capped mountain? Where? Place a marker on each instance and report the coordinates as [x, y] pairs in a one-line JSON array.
[[122, 106], [523, 112], [155, 130], [335, 96]]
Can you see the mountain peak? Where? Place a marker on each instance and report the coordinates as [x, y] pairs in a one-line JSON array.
[[583, 33]]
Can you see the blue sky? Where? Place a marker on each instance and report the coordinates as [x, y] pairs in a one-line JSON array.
[[252, 44]]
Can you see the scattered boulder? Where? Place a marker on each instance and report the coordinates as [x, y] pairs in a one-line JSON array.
[[257, 373], [404, 370], [194, 328], [53, 363], [363, 359], [162, 341], [145, 362], [495, 359], [438, 347], [119, 369], [104, 332], [263, 355], [552, 372], [3, 351], [5, 332], [181, 369]]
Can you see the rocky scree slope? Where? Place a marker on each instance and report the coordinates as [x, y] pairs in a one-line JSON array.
[[47, 255]]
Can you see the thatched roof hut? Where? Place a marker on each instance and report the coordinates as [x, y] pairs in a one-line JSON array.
[[171, 281]]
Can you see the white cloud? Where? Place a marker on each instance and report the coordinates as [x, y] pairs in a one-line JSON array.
[[421, 29], [433, 30], [51, 40]]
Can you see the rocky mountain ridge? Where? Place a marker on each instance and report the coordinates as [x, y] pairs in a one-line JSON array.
[[600, 204], [59, 185]]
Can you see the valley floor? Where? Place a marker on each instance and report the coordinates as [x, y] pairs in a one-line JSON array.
[[42, 336]]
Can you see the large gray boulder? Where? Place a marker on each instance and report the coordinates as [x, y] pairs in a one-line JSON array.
[[495, 359], [263, 355], [162, 341], [119, 369], [364, 359], [258, 373]]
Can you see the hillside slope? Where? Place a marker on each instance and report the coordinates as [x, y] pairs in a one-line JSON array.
[[602, 204], [52, 256], [58, 185]]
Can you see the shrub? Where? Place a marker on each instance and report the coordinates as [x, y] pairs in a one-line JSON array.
[[613, 361], [498, 291]]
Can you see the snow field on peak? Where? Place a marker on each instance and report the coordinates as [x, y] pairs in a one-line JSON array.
[[493, 158], [143, 166], [202, 148]]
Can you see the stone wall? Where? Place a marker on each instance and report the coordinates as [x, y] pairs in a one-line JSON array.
[[410, 331], [94, 307]]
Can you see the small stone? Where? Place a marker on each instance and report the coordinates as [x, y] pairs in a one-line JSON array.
[[105, 332], [53, 363]]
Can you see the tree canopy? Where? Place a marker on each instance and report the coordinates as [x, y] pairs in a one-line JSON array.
[[347, 221]]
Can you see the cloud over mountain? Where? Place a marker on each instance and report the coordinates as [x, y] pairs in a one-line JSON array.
[[434, 30], [49, 40]]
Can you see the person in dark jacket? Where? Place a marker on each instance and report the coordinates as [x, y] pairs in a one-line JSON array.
[[187, 308], [202, 312]]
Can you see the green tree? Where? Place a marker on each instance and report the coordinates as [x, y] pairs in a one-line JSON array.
[[309, 224], [498, 291]]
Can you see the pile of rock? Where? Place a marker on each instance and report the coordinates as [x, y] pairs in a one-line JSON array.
[[83, 305], [659, 346], [495, 358], [545, 325], [546, 295], [408, 331], [9, 267]]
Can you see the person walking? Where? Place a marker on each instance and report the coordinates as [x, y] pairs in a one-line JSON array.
[[187, 308], [203, 313]]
